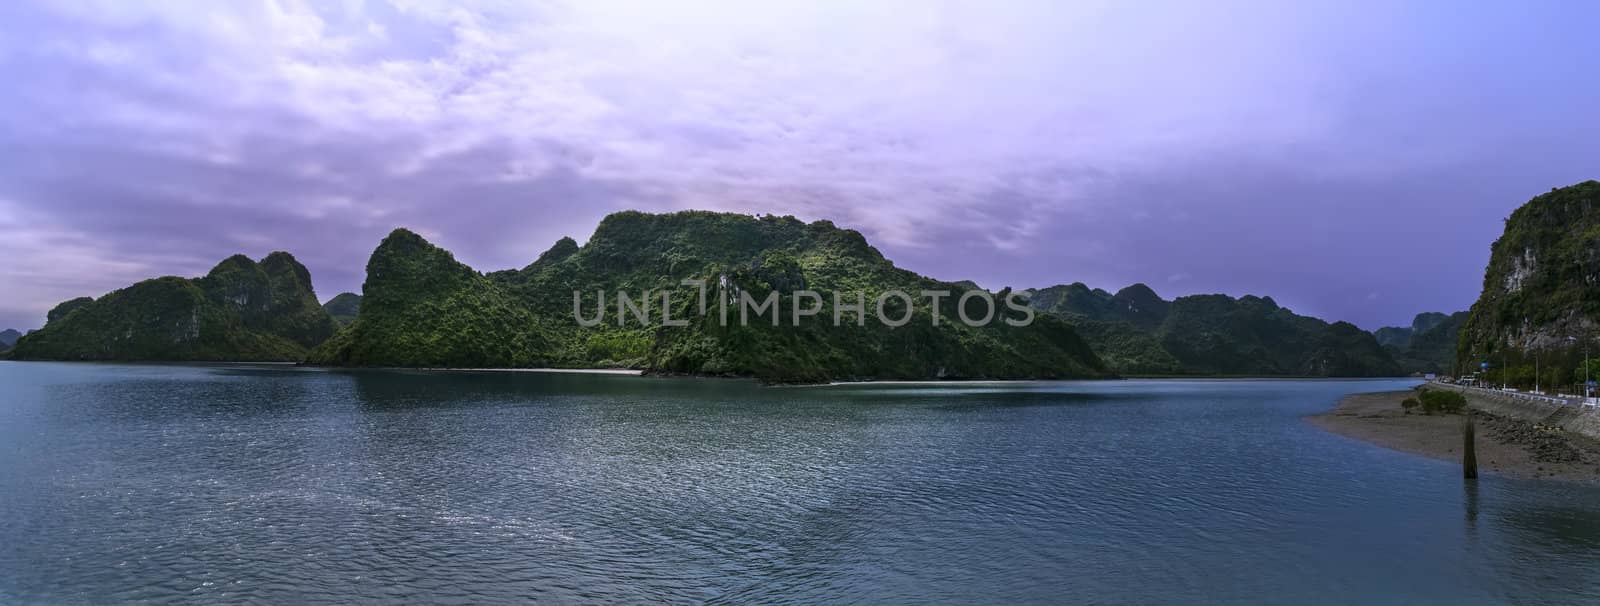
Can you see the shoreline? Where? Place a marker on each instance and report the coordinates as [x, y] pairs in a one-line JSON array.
[[1506, 447], [302, 365], [1111, 376], [578, 371], [663, 374]]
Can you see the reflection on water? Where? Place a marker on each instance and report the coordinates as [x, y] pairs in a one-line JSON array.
[[1470, 488], [1576, 527], [281, 484]]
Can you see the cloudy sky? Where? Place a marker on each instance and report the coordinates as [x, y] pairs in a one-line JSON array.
[[1351, 159]]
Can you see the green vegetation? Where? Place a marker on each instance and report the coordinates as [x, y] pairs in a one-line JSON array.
[[1578, 374], [1138, 332], [1541, 292], [66, 307], [241, 310], [422, 308], [343, 308], [1436, 401], [1427, 346]]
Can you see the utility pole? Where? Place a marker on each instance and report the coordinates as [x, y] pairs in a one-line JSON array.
[[1571, 339]]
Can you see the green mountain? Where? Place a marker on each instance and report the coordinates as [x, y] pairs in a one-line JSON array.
[[8, 337], [1393, 337], [1137, 332], [241, 310], [1427, 346], [423, 308], [1123, 328], [1541, 290], [343, 308]]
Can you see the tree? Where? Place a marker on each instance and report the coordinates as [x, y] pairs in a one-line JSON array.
[[1409, 403], [1594, 371]]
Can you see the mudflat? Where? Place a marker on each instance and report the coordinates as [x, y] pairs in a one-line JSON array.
[[1505, 446]]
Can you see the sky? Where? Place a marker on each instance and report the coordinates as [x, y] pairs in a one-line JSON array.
[[1354, 160]]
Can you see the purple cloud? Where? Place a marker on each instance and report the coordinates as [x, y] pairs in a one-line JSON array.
[[1318, 153]]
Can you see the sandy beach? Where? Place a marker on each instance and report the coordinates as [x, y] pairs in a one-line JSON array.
[[1506, 446]]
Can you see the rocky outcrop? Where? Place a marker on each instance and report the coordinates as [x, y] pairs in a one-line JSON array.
[[421, 307], [241, 310], [1541, 290]]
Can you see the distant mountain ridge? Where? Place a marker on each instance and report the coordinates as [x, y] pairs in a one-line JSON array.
[[242, 310], [421, 307], [343, 308], [1428, 345], [1137, 332]]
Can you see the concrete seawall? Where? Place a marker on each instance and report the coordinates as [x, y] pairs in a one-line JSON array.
[[1568, 415]]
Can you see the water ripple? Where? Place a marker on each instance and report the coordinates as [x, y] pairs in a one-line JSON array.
[[194, 484]]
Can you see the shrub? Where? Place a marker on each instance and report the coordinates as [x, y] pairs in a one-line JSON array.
[[1447, 402], [1409, 404]]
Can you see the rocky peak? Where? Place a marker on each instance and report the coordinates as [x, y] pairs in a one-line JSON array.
[[406, 263], [66, 307], [563, 248]]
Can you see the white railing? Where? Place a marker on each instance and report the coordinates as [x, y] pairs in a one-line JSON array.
[[1514, 394]]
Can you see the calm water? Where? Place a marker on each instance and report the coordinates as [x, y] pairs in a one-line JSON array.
[[208, 484]]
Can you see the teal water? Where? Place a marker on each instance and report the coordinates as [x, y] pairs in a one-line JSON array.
[[285, 485]]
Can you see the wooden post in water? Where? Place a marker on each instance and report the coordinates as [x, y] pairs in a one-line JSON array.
[[1469, 449]]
